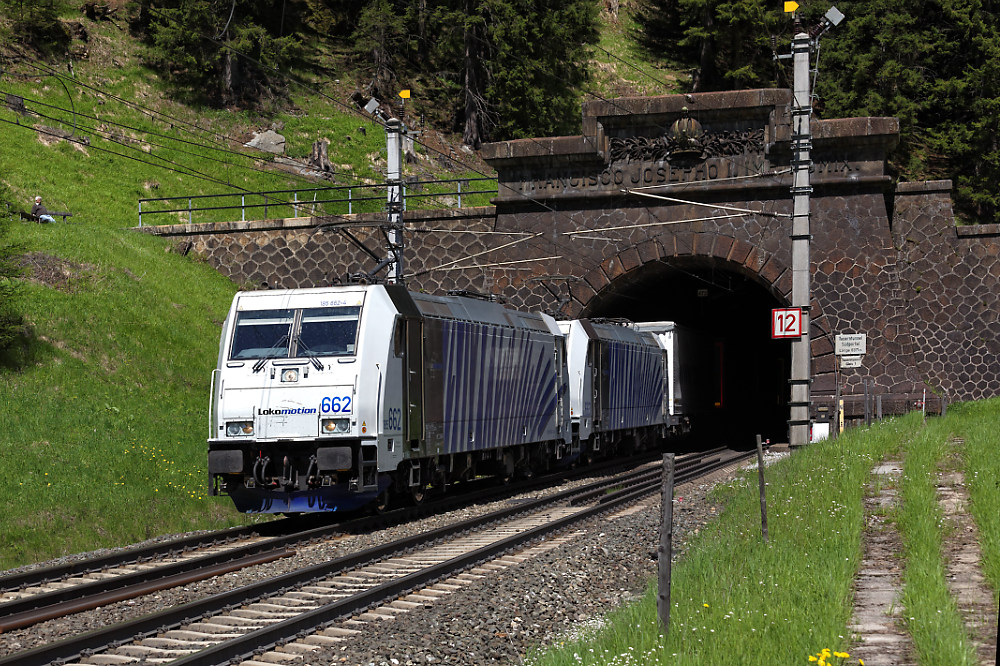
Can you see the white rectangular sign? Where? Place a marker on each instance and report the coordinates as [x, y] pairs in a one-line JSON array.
[[786, 323], [850, 361], [851, 344]]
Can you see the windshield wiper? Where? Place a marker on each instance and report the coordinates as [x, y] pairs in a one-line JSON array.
[[310, 354], [268, 355]]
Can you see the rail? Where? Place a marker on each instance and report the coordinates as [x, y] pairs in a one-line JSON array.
[[336, 200], [266, 637], [277, 535]]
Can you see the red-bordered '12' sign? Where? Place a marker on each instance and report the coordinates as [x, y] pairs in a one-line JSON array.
[[786, 323]]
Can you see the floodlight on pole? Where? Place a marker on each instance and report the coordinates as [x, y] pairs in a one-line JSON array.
[[831, 19]]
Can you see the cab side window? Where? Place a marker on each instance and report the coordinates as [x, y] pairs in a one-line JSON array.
[[399, 337]]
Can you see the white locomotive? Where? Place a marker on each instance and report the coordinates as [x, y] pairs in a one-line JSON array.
[[331, 398]]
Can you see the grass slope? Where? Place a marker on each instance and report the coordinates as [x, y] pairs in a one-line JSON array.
[[103, 430], [621, 67], [736, 600], [103, 415]]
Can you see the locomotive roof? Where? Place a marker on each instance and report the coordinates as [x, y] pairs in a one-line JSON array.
[[471, 309], [619, 333], [468, 309], [407, 303], [654, 326]]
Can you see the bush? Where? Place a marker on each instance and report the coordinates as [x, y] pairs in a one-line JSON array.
[[11, 320], [36, 24]]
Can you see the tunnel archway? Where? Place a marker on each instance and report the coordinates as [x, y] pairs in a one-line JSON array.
[[741, 373]]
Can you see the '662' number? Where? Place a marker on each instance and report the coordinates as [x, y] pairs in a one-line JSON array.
[[336, 405], [393, 421]]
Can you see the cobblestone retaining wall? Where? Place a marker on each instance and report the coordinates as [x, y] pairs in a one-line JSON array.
[[888, 262], [950, 278]]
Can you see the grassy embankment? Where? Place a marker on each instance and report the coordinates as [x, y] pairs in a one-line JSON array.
[[932, 616], [103, 416], [622, 67], [738, 601]]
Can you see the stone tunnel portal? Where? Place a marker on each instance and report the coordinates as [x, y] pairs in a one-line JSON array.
[[739, 372], [888, 260]]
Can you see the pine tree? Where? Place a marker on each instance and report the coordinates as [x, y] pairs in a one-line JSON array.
[[530, 62], [226, 51], [728, 42], [933, 64], [659, 25], [539, 93], [497, 69], [379, 46], [37, 24]]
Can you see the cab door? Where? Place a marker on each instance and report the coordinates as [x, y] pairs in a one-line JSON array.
[[413, 381]]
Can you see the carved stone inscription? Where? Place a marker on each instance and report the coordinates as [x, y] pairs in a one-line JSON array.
[[635, 174], [704, 146], [842, 165]]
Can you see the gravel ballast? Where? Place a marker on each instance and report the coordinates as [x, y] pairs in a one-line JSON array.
[[493, 621], [552, 595]]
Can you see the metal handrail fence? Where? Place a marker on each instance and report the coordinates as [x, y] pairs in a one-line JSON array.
[[290, 201]]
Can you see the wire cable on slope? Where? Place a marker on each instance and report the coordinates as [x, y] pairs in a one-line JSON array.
[[428, 147], [217, 146], [634, 66], [112, 152]]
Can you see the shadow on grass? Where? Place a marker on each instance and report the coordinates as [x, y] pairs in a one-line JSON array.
[[24, 350]]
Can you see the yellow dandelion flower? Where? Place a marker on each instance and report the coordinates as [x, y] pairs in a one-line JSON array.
[[812, 657], [705, 605], [841, 655]]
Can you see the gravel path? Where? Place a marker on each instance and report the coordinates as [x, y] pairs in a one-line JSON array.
[[964, 558], [498, 619], [877, 624]]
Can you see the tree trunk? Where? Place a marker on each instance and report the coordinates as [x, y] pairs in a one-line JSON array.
[[471, 136], [422, 32], [320, 157], [229, 77], [706, 56]]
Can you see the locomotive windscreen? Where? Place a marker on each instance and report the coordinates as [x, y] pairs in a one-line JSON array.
[[329, 331], [262, 334]]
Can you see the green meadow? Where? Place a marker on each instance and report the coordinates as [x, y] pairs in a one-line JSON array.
[[736, 600], [104, 404]]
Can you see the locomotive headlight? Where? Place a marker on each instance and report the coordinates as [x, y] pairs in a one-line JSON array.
[[239, 428], [335, 426]]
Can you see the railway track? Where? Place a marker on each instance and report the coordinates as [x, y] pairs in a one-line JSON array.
[[47, 593], [295, 613]]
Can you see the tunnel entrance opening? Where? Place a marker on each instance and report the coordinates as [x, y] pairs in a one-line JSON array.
[[740, 371]]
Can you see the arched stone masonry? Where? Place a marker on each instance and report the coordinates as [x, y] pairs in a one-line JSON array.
[[567, 234]]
